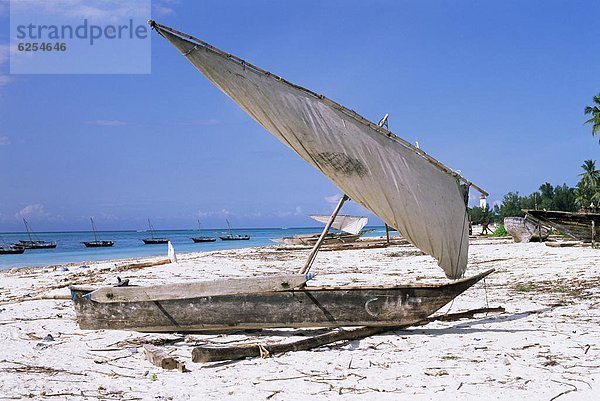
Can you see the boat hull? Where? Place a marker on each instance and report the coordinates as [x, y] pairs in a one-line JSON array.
[[235, 238], [578, 225], [203, 239], [155, 241], [37, 244], [98, 244], [523, 230], [12, 251], [308, 307]]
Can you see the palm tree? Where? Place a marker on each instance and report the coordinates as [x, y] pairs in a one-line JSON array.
[[588, 188], [594, 111], [590, 176]]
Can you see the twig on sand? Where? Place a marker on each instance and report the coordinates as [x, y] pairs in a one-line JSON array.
[[574, 388]]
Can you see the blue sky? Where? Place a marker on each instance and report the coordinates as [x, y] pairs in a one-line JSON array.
[[494, 89]]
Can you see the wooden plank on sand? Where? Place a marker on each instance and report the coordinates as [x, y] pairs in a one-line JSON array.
[[160, 358]]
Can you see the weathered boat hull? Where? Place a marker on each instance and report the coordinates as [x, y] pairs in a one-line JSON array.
[[577, 225], [308, 307], [523, 230], [311, 239]]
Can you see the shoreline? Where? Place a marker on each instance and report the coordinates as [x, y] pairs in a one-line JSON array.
[[546, 343]]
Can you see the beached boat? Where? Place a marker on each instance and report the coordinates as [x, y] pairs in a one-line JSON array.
[[523, 230], [203, 238], [11, 249], [233, 237], [96, 243], [351, 228], [32, 243], [408, 189], [154, 240], [582, 226]]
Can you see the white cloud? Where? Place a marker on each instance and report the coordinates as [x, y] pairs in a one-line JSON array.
[[93, 10], [4, 140], [36, 210], [298, 211], [106, 123], [333, 198]]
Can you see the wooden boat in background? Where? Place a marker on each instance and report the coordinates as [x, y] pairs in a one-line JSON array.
[[34, 243], [11, 249], [202, 238], [368, 163], [233, 237], [582, 226], [96, 243], [350, 229], [154, 240], [523, 230]]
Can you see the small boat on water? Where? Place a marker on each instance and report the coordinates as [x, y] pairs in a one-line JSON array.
[[233, 237], [202, 238], [154, 240], [33, 242], [96, 243], [11, 249], [350, 227], [523, 230]]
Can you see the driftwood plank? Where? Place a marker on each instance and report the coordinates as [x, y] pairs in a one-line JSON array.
[[143, 264], [160, 358], [221, 353], [198, 289]]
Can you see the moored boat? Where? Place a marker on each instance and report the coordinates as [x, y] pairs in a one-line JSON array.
[[154, 240], [32, 243], [233, 237], [96, 243], [203, 238], [11, 249]]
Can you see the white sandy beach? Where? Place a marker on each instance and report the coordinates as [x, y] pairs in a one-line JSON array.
[[545, 346]]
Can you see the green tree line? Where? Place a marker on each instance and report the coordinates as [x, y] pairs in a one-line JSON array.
[[584, 196]]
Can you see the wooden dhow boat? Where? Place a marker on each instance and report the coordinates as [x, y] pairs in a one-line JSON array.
[[350, 229], [230, 236], [202, 238], [408, 189], [582, 226], [154, 240], [97, 243], [523, 230], [32, 243]]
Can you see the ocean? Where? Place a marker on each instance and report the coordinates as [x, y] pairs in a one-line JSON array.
[[128, 244]]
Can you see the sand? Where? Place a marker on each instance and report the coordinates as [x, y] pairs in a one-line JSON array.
[[545, 346]]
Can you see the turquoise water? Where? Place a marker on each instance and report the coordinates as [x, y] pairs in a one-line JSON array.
[[128, 244]]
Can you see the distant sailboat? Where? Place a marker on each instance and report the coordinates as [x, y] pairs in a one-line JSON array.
[[96, 243], [203, 238], [233, 237], [154, 240], [351, 228], [34, 243]]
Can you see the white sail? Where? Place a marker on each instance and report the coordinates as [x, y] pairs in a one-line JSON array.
[[349, 224], [171, 252], [405, 187]]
